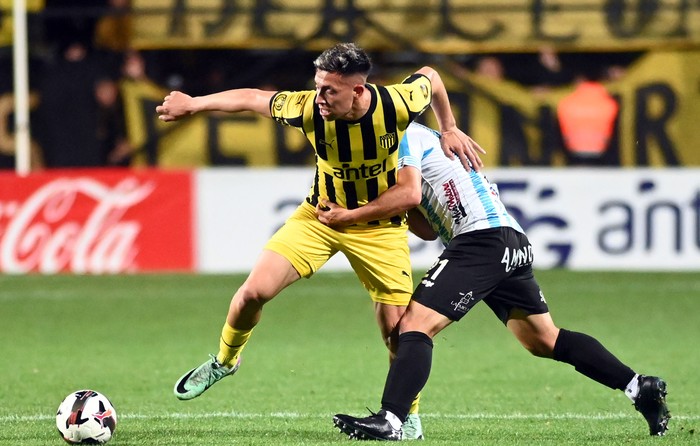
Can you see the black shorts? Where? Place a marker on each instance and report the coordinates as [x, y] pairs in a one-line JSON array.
[[493, 265]]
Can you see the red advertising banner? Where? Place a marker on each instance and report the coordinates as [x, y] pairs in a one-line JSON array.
[[96, 221]]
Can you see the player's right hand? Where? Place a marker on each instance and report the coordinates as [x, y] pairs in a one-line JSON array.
[[330, 214], [456, 142], [175, 105]]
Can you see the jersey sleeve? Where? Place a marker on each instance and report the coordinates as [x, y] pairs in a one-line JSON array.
[[290, 107], [416, 92], [410, 151], [416, 144]]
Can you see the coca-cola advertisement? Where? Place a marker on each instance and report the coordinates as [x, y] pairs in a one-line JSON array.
[[96, 221]]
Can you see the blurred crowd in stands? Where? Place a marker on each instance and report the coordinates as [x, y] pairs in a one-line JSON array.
[[80, 50]]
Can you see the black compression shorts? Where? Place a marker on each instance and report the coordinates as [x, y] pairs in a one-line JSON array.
[[493, 265]]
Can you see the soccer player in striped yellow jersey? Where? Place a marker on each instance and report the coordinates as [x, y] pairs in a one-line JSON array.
[[355, 128]]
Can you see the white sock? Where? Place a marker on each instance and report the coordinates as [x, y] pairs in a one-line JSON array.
[[393, 420], [632, 389]]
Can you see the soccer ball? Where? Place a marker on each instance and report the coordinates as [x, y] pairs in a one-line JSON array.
[[86, 417]]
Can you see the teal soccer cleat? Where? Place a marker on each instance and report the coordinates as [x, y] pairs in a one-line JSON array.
[[196, 381], [412, 428]]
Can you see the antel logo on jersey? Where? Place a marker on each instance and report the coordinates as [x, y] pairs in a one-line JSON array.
[[36, 235], [361, 172]]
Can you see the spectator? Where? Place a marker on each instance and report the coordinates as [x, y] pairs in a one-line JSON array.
[[491, 67], [115, 149], [135, 86], [587, 120], [134, 66]]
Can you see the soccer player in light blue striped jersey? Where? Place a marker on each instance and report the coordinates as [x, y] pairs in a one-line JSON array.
[[487, 257]]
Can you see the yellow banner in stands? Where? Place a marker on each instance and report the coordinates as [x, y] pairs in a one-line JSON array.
[[243, 139], [6, 28], [457, 26], [659, 115], [657, 124]]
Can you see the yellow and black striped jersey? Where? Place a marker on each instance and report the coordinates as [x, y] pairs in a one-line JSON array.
[[356, 160]]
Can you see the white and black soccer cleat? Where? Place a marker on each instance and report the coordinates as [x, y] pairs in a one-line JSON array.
[[373, 427], [651, 403]]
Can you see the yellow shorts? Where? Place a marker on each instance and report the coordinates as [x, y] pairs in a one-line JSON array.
[[378, 255]]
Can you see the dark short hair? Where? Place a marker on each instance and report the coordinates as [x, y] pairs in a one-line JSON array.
[[344, 58]]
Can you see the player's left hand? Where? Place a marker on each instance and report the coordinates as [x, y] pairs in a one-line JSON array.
[[330, 214], [456, 142]]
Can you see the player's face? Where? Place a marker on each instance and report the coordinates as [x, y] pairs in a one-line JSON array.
[[335, 94]]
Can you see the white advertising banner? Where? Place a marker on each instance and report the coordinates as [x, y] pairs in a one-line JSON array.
[[582, 219], [238, 209]]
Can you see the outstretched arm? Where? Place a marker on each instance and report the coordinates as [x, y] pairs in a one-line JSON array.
[[177, 104], [402, 196], [453, 140]]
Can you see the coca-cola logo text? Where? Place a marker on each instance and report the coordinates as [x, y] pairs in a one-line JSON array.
[[72, 224]]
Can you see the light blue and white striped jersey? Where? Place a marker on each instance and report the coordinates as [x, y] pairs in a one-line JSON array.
[[454, 201]]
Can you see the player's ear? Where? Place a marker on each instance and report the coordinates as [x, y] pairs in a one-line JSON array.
[[358, 90]]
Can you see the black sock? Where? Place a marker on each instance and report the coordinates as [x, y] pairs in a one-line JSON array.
[[408, 373], [591, 359]]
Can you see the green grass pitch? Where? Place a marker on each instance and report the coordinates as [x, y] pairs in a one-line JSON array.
[[317, 352]]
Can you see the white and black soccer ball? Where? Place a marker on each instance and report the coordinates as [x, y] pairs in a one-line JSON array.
[[86, 417]]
